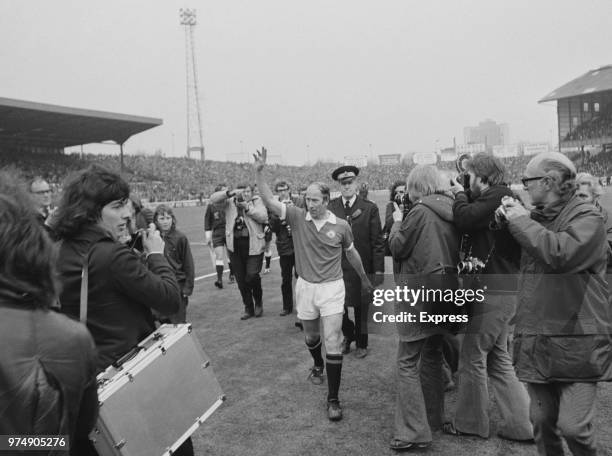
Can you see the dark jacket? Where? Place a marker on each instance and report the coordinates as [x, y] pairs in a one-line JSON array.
[[563, 320], [47, 371], [284, 239], [364, 219], [214, 218], [178, 254], [497, 248], [122, 291], [426, 243]]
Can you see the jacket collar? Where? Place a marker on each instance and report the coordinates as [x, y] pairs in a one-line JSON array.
[[551, 211], [331, 218]]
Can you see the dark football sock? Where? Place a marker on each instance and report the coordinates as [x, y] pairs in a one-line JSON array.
[[219, 273], [268, 259], [334, 371], [229, 265], [315, 352]]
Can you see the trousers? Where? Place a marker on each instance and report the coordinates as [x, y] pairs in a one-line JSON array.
[[563, 409]]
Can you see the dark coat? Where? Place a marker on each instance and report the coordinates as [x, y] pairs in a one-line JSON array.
[[48, 371], [426, 243], [563, 320], [178, 253], [497, 248], [284, 239], [122, 291], [364, 219]]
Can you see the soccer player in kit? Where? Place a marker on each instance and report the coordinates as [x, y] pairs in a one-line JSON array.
[[319, 238]]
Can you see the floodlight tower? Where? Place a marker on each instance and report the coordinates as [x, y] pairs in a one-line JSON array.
[[194, 119]]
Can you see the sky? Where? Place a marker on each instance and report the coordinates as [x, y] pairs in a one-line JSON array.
[[309, 80]]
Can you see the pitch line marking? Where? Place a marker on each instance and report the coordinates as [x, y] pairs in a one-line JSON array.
[[214, 274]]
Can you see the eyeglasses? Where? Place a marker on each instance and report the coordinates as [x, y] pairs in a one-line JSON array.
[[524, 180], [43, 192]]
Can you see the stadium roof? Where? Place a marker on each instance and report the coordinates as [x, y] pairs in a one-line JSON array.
[[593, 81], [46, 125]]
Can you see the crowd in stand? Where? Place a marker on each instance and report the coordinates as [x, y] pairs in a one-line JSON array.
[[157, 178], [596, 127]]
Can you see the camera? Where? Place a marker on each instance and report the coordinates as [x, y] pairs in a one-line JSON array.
[[463, 178], [286, 225], [470, 265], [239, 223], [239, 197], [403, 201]]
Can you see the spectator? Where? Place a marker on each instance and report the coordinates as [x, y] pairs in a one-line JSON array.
[[47, 364], [178, 253]]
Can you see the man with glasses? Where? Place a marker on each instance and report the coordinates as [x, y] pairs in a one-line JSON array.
[[41, 190], [562, 343], [363, 217]]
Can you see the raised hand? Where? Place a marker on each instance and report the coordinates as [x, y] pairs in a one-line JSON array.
[[260, 159]]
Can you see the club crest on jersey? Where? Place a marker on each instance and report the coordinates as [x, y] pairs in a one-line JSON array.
[[331, 234]]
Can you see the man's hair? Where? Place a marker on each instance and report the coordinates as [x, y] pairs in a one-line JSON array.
[[84, 196], [281, 184], [220, 187], [164, 209], [426, 180], [559, 168], [28, 256], [489, 168], [590, 181], [394, 187], [35, 180], [323, 188], [244, 185]]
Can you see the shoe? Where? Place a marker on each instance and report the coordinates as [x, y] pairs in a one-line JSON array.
[[345, 347], [298, 324], [402, 445], [219, 284], [528, 440], [285, 312], [361, 352], [316, 375], [258, 310], [266, 270], [334, 411], [231, 279], [450, 429], [246, 316]]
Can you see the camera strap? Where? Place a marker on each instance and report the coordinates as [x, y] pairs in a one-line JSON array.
[[84, 289]]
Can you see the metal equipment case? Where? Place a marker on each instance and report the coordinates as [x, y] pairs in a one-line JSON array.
[[156, 396]]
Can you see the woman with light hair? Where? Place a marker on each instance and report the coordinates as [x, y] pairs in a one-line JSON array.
[[426, 244]]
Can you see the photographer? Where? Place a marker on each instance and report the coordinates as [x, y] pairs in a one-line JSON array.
[[399, 196], [491, 256], [426, 244], [92, 217], [562, 338], [245, 215]]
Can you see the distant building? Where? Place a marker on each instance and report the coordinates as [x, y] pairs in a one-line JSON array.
[[584, 111], [487, 132]]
